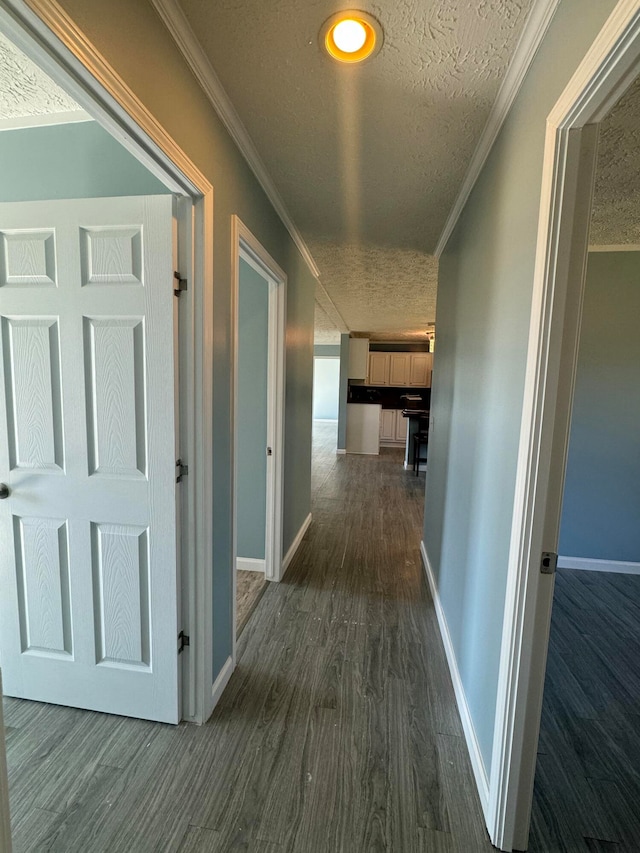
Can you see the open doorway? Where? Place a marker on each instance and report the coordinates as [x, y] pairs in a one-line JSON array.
[[586, 787], [562, 284], [259, 316]]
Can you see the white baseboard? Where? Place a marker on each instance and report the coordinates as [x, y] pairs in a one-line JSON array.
[[221, 682], [325, 420], [341, 451], [250, 564], [288, 557], [588, 565], [479, 770]]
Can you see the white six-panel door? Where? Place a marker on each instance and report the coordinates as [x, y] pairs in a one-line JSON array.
[[88, 599]]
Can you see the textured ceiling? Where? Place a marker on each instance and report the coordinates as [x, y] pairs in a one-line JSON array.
[[389, 292], [25, 90], [616, 209], [324, 330], [367, 158]]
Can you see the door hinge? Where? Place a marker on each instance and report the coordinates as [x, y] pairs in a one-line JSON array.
[[183, 641], [181, 284], [181, 469], [548, 562]]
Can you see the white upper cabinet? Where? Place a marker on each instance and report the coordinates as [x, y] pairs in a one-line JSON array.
[[420, 369], [358, 357], [400, 369], [378, 368]]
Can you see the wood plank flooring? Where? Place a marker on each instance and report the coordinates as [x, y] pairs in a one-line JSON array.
[[338, 732], [250, 587], [587, 789]]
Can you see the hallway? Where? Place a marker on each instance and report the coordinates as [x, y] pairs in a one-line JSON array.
[[338, 730]]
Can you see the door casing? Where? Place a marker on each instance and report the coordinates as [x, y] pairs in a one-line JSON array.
[[44, 32], [245, 244], [567, 183]]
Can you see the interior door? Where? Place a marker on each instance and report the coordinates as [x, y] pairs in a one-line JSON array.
[[88, 611]]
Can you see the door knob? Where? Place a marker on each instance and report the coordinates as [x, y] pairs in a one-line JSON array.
[[4, 491]]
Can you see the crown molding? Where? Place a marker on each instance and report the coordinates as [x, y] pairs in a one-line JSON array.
[[613, 247], [534, 31], [329, 307], [44, 120], [176, 22]]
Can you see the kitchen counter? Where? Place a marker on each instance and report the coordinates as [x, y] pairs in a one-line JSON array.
[[363, 428]]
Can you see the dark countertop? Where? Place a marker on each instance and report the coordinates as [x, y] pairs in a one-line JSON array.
[[415, 413], [389, 397]]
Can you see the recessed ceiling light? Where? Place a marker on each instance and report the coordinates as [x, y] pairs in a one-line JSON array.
[[351, 36]]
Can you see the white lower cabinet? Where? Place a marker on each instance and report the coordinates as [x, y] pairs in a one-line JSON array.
[[388, 425], [393, 427], [401, 427]]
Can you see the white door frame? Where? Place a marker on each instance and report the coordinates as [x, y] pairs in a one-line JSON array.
[[48, 36], [568, 173], [244, 243]]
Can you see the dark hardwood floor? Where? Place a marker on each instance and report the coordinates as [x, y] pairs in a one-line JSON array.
[[338, 732], [250, 587], [587, 789]]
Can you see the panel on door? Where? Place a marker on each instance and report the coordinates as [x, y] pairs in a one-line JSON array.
[[88, 612]]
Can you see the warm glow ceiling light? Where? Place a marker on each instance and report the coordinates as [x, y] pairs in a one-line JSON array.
[[351, 36]]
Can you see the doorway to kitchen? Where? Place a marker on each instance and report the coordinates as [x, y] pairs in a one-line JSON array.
[[259, 293]]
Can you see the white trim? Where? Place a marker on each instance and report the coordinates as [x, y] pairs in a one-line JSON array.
[[245, 244], [534, 31], [221, 681], [479, 770], [341, 451], [586, 564], [620, 247], [325, 420], [51, 39], [250, 564], [288, 557], [46, 120], [178, 26], [567, 180], [44, 31]]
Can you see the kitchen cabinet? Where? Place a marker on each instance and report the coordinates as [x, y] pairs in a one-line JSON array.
[[420, 369], [393, 426], [388, 425], [378, 368], [358, 357], [400, 369]]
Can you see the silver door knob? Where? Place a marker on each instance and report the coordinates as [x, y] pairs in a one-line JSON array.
[[4, 491]]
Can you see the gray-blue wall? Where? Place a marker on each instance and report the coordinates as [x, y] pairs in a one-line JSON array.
[[484, 303], [601, 505], [327, 349], [159, 76], [253, 351], [344, 389], [77, 160]]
